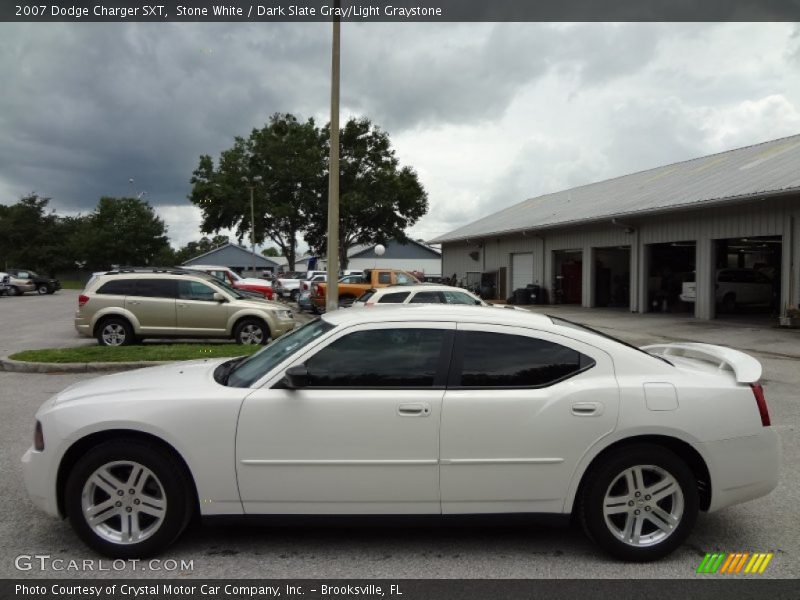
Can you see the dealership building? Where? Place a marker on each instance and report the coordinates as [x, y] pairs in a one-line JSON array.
[[720, 231]]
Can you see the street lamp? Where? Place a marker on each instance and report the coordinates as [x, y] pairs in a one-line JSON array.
[[332, 296], [252, 183]]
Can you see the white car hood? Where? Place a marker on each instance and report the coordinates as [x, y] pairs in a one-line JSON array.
[[173, 376]]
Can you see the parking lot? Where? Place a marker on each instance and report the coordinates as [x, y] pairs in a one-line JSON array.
[[766, 525]]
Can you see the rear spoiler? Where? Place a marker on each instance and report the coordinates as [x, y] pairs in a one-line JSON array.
[[745, 368]]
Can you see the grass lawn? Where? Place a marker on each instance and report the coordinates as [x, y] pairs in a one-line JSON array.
[[69, 284], [154, 352]]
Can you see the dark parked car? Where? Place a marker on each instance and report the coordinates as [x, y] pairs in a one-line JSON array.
[[43, 285]]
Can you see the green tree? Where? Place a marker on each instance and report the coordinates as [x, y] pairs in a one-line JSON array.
[[199, 247], [270, 252], [34, 238], [282, 165], [378, 199], [124, 232]]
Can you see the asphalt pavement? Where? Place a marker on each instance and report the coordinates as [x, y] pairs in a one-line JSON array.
[[767, 525]]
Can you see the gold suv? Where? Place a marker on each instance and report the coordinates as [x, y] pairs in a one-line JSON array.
[[121, 306]]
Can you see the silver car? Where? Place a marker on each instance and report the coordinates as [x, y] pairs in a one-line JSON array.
[[119, 307]]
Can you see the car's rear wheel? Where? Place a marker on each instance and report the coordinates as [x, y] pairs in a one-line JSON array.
[[128, 498], [640, 502], [115, 331], [13, 291], [251, 331]]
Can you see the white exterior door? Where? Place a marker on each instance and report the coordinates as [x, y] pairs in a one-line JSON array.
[[363, 437], [521, 270], [521, 408]]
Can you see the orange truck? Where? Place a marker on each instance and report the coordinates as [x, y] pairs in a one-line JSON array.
[[348, 291]]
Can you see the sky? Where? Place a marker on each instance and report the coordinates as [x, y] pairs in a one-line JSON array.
[[487, 114]]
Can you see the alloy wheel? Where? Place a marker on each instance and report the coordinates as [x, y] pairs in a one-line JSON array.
[[251, 334], [643, 505], [114, 334], [124, 502]]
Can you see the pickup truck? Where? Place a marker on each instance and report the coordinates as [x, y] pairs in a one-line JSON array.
[[349, 291], [291, 286]]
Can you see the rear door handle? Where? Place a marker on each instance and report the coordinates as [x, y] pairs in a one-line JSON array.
[[587, 409], [416, 409]]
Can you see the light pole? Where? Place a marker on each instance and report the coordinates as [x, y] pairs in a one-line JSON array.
[[251, 183], [332, 297]]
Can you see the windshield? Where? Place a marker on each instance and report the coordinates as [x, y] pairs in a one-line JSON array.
[[253, 368], [578, 326]]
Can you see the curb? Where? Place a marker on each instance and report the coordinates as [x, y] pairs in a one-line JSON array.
[[19, 366]]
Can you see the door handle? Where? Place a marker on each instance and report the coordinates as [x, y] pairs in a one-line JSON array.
[[182, 305], [134, 303], [587, 409], [417, 409]]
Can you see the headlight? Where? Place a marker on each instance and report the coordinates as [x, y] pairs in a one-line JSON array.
[[284, 314]]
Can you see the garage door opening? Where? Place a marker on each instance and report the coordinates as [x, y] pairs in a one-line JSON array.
[[612, 280], [568, 276], [748, 277], [670, 265]]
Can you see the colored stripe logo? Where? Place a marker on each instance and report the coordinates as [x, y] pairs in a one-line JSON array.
[[735, 562]]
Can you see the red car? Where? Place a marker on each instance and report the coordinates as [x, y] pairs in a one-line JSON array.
[[231, 277]]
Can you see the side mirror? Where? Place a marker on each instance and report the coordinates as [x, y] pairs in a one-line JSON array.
[[218, 297], [296, 377], [478, 302]]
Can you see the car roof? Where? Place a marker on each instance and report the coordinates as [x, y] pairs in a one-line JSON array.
[[437, 312], [206, 267], [417, 287]]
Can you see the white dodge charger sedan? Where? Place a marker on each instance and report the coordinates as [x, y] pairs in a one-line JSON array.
[[415, 410]]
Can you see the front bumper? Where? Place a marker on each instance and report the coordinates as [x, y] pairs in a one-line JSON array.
[[742, 469], [284, 327], [39, 481]]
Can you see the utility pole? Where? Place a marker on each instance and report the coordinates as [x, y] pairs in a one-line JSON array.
[[332, 289], [251, 183]]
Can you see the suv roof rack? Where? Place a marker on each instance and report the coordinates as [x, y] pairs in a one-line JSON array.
[[169, 270]]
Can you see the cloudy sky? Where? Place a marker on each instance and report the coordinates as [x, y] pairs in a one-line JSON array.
[[488, 114]]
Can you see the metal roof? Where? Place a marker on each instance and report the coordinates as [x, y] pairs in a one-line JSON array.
[[750, 172]]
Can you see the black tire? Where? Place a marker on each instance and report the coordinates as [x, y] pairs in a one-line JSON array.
[[293, 295], [14, 291], [43, 289], [247, 332], [169, 480], [729, 303], [607, 477], [114, 331]]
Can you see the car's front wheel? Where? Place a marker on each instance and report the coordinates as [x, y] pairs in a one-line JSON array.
[[14, 291], [640, 502], [128, 498], [43, 289]]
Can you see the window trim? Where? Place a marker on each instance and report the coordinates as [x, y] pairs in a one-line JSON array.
[[457, 364]]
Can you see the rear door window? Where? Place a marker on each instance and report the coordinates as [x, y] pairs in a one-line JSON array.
[[154, 288], [195, 290], [427, 298], [499, 360]]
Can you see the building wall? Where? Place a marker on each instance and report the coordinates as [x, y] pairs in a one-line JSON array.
[[777, 216], [429, 266]]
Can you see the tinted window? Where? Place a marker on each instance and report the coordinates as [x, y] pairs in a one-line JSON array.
[[458, 298], [194, 290], [366, 296], [384, 278], [117, 287], [393, 298], [379, 358], [501, 360], [426, 298], [153, 288]]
